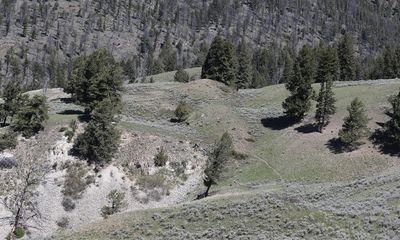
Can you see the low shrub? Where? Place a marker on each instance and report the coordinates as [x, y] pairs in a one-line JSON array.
[[69, 134], [182, 111], [63, 222], [155, 195], [150, 182], [19, 232], [181, 76], [68, 204], [178, 167], [116, 201], [161, 158], [8, 162], [8, 141], [75, 182], [73, 125], [238, 155]]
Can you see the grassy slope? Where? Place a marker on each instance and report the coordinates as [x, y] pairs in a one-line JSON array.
[[315, 161], [169, 76], [275, 155], [337, 211]]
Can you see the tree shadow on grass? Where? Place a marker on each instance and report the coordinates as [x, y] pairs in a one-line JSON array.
[[278, 123], [71, 112], [4, 125], [308, 128], [336, 146], [66, 100], [82, 115], [384, 143], [380, 124]]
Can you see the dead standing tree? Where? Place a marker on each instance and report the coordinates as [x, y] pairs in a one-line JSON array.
[[19, 188]]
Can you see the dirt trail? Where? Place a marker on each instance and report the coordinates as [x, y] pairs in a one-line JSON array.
[[269, 165]]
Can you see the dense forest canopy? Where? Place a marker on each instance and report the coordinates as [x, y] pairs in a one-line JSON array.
[[40, 39]]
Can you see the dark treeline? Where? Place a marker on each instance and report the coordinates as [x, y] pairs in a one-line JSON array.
[[272, 65]]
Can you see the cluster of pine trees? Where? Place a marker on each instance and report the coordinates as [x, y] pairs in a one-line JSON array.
[[25, 115], [96, 83], [329, 67], [239, 67], [386, 66]]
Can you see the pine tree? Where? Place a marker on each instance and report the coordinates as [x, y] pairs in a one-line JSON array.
[[25, 24], [397, 61], [347, 61], [326, 72], [220, 62], [11, 96], [201, 54], [389, 63], [261, 74], [95, 78], [257, 79], [299, 102], [328, 63], [392, 127], [31, 115], [355, 125], [100, 141], [168, 56], [288, 69], [217, 161], [244, 71], [325, 104], [307, 63]]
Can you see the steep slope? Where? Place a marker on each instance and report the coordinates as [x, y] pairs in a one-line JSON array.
[[47, 35]]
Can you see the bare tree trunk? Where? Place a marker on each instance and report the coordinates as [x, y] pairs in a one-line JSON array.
[[16, 221], [206, 192]]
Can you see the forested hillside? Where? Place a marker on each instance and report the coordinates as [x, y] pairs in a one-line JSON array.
[[40, 39], [199, 119]]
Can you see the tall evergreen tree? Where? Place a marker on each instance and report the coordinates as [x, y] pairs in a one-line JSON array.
[[325, 104], [30, 116], [355, 125], [217, 161], [299, 102], [390, 63], [328, 63], [347, 61], [327, 71], [392, 127], [307, 63], [100, 141], [11, 96], [201, 54], [261, 73], [288, 69], [94, 78], [168, 56], [220, 62], [244, 70]]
